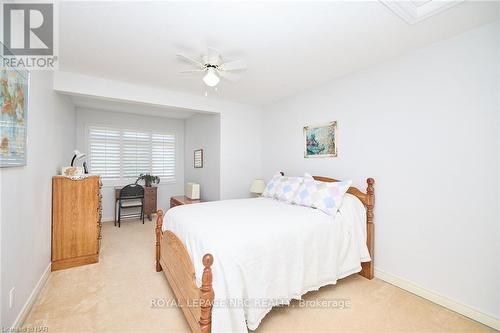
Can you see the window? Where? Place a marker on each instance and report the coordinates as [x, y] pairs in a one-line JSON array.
[[104, 144], [120, 154]]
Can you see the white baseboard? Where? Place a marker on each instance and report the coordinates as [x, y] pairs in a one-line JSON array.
[[444, 301], [21, 317]]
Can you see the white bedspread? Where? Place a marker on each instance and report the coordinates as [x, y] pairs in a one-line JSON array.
[[267, 252]]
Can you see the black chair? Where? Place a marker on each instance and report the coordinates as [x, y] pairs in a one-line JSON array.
[[131, 196]]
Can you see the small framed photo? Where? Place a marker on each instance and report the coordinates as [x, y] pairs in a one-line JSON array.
[[198, 158], [320, 140]]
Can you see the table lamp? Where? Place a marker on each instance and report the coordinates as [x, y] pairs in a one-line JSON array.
[[192, 191], [258, 186], [78, 156]]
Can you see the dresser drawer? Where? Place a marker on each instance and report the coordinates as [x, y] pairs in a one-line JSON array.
[[150, 200]]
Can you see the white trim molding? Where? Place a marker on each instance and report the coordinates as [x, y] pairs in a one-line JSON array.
[[23, 314], [434, 297], [415, 11]]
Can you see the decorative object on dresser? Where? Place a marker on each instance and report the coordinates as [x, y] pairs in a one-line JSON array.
[[198, 158], [131, 196], [73, 170], [76, 221], [150, 200], [320, 140], [258, 186], [182, 200], [192, 191]]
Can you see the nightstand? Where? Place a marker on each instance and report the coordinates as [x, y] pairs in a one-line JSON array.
[[182, 200]]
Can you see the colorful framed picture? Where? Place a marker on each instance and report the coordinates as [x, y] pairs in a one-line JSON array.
[[14, 87], [320, 140]]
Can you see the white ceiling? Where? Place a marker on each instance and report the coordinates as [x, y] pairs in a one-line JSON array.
[[289, 46]]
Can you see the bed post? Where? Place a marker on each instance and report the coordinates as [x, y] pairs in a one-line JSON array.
[[159, 223], [207, 295], [367, 267]]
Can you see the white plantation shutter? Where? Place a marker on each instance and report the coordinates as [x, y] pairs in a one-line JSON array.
[[163, 155], [136, 153], [104, 146], [125, 154]]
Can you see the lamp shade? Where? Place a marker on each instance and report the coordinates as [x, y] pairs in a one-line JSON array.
[[192, 191], [211, 79], [79, 155], [258, 186]]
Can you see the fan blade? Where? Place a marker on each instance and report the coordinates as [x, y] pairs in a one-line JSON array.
[[192, 71], [229, 76], [213, 56], [236, 65], [191, 61]]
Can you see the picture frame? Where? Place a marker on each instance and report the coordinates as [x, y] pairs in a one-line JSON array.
[[320, 140], [198, 158], [14, 107]]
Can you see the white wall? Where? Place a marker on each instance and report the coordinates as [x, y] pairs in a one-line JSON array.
[[203, 132], [87, 117], [240, 124], [426, 127], [241, 144], [26, 193], [498, 168]]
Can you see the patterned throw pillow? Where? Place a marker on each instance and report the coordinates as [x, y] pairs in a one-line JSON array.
[[270, 190], [287, 188], [326, 197]]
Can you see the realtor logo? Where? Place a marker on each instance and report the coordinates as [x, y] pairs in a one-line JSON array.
[[28, 36]]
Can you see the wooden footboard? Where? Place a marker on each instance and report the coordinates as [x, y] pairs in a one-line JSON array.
[[173, 258]]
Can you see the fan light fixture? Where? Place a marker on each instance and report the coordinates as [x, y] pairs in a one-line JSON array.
[[213, 67], [211, 79]]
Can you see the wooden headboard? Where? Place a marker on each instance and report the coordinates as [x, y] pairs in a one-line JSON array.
[[368, 199]]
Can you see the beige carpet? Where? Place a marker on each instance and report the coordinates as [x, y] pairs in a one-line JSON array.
[[115, 295]]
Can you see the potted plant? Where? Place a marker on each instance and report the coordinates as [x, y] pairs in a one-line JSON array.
[[148, 179]]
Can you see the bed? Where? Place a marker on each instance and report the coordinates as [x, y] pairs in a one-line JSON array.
[[229, 262]]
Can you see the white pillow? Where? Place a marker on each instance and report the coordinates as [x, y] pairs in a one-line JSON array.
[[287, 188], [270, 190], [326, 197]]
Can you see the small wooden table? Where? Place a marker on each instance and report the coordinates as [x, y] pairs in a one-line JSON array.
[[182, 200]]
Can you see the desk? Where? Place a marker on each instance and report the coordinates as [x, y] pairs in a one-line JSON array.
[[150, 200]]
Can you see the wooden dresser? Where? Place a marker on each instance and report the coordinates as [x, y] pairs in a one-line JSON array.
[[76, 221]]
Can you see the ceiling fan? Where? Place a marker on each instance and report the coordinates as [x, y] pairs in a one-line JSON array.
[[214, 67]]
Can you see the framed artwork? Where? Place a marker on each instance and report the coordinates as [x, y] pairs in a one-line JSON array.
[[320, 140], [198, 158], [14, 88]]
